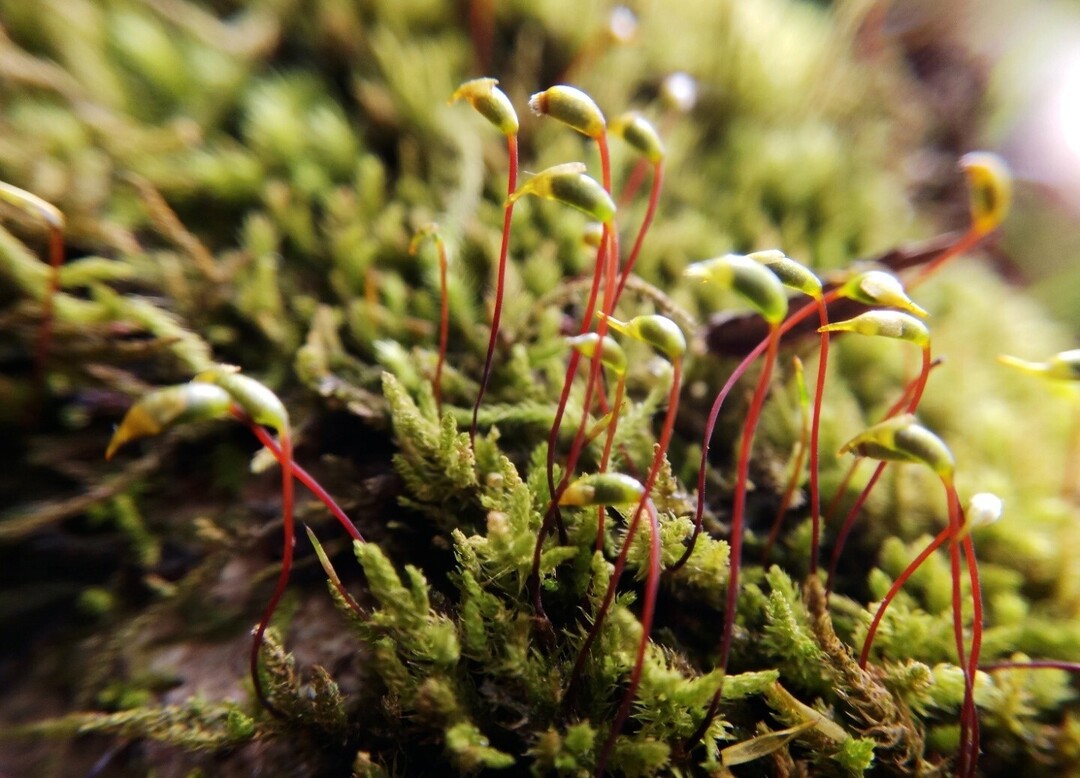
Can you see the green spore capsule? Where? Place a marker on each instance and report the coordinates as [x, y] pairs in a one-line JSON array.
[[751, 280], [902, 439], [603, 489], [658, 331], [490, 102], [792, 274], [572, 107], [885, 324], [568, 184], [1064, 366], [261, 404], [611, 353], [640, 134], [876, 287]]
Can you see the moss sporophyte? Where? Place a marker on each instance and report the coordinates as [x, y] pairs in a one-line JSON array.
[[558, 579]]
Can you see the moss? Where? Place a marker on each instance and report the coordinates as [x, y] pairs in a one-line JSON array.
[[258, 210]]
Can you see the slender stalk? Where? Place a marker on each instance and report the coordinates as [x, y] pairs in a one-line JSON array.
[[796, 318], [605, 459], [643, 505], [304, 477], [815, 436], [796, 471], [646, 222], [288, 545], [901, 579], [908, 403], [648, 609], [737, 511], [504, 248]]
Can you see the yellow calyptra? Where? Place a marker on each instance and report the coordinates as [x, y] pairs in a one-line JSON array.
[[989, 189], [1063, 366], [163, 408], [490, 102]]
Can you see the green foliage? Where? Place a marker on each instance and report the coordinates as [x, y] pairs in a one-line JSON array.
[[242, 186]]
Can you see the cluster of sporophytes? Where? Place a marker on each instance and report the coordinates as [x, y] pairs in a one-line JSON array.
[[563, 570]]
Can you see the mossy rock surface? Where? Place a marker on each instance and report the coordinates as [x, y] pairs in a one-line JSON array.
[[241, 183]]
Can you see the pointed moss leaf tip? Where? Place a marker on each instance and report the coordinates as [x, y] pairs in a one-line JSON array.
[[568, 184], [32, 205], [792, 274], [884, 324], [572, 107], [1063, 366], [640, 134], [164, 408], [603, 489], [658, 331], [262, 405], [989, 189], [903, 439], [611, 353], [490, 102], [876, 287], [751, 280]]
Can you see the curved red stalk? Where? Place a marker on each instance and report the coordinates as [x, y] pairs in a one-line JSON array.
[[283, 576], [575, 359], [976, 648], [553, 517], [789, 491], [304, 477], [901, 579], [646, 222], [908, 403], [965, 242], [504, 248], [737, 511], [958, 633], [633, 181], [714, 413], [605, 459], [645, 503], [815, 430], [648, 609]]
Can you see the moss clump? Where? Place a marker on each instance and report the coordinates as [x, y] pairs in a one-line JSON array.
[[241, 182]]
